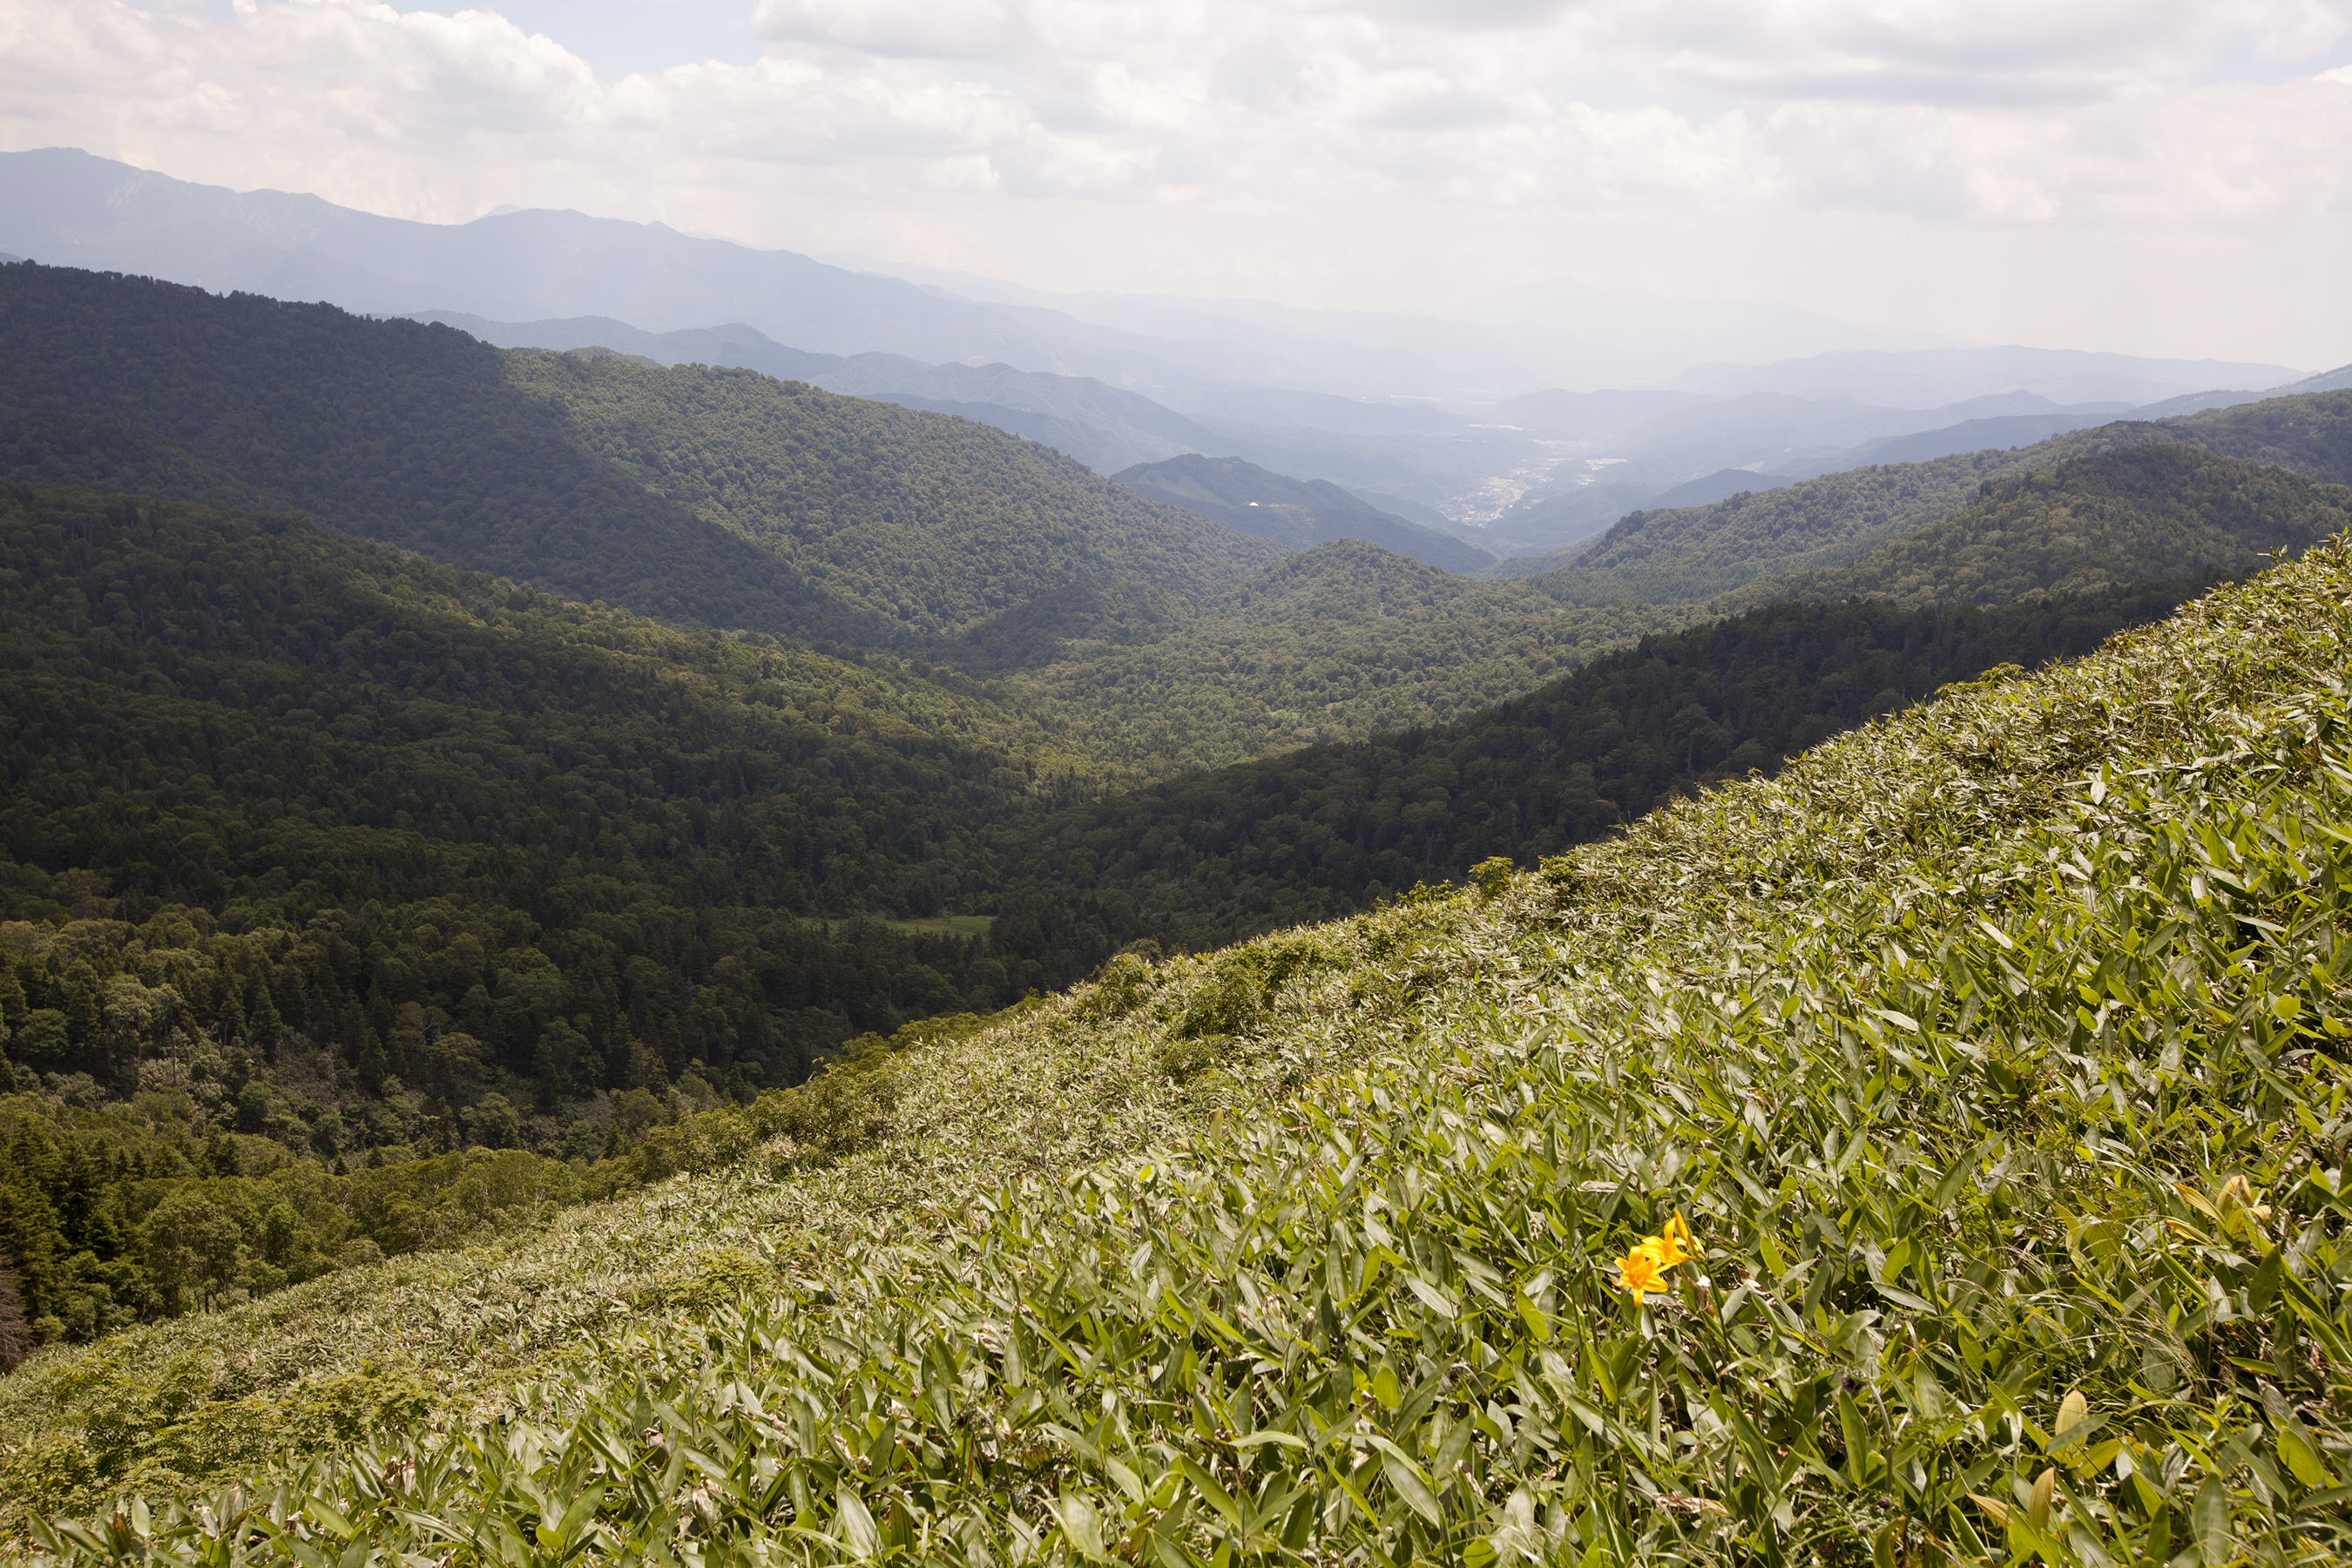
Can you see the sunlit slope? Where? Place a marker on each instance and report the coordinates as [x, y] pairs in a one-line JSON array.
[[2085, 525], [926, 524], [1694, 552], [1990, 1052]]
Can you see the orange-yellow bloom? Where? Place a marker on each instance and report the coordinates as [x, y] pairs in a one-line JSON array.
[[1678, 1244], [1639, 1272]]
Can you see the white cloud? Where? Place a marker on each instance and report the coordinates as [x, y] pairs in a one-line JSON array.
[[1384, 152]]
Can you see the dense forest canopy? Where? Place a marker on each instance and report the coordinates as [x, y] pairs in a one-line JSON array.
[[2158, 510], [929, 525], [1213, 857], [417, 804]]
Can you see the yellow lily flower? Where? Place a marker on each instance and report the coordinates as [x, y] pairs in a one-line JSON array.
[[1639, 1272]]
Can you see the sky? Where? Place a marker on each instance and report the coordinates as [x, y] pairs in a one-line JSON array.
[[2147, 176]]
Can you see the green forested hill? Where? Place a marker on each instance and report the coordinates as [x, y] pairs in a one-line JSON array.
[[1982, 1068], [2156, 510], [722, 498], [1339, 642], [419, 805], [1695, 553], [1346, 641], [404, 433], [1297, 514], [93, 450], [1211, 857], [926, 524]]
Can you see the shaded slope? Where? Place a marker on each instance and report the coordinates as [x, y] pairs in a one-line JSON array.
[[538, 825], [722, 497], [407, 434], [1213, 858]]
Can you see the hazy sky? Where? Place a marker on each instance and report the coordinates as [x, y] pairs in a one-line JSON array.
[[2152, 176]]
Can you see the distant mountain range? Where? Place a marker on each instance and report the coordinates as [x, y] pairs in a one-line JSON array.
[[1437, 417]]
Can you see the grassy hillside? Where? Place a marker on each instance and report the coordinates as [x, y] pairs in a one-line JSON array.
[[1991, 1052], [1823, 524]]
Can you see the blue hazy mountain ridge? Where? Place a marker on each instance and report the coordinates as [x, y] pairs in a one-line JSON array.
[[1928, 378], [1581, 516], [1426, 453], [1968, 435], [1297, 514], [1774, 436], [1360, 352], [1590, 415], [1103, 426], [2335, 380], [66, 207]]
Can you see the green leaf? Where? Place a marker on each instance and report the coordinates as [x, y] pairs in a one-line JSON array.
[[1081, 1525], [2302, 1456], [1406, 1477], [858, 1530], [2209, 1523]]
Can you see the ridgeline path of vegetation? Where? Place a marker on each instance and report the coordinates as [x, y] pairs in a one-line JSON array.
[[1992, 1053]]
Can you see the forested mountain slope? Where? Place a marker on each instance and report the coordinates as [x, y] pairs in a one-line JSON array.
[[716, 497], [1211, 857], [1339, 642], [1985, 1057], [1698, 551], [2155, 510], [926, 525], [1297, 514], [429, 806], [407, 434]]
